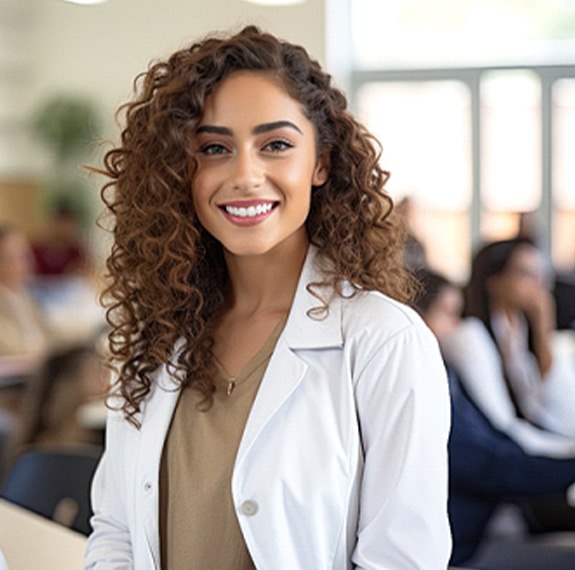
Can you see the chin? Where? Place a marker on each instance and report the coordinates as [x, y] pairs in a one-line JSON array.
[[248, 251]]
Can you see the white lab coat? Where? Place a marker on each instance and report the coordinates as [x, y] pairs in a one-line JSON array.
[[343, 460]]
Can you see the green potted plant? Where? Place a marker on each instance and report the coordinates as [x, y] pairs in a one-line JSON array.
[[68, 126]]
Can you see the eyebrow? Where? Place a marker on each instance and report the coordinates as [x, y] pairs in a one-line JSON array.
[[258, 130]]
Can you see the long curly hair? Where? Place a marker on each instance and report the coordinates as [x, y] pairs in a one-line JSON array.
[[167, 274]]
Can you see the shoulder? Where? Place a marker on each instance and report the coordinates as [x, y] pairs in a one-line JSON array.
[[389, 347], [470, 344], [473, 325], [378, 328], [471, 330], [377, 314]]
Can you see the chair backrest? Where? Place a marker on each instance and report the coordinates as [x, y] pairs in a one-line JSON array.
[[54, 483]]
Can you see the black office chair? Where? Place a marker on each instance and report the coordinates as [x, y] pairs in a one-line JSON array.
[[55, 483]]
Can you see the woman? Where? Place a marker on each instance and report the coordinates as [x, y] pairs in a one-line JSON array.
[[504, 353], [302, 420], [24, 330], [486, 467]]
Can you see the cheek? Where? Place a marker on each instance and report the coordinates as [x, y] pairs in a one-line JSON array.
[[294, 173], [200, 194], [521, 290], [299, 185]]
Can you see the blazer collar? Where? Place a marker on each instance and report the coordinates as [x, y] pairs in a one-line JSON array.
[[304, 330]]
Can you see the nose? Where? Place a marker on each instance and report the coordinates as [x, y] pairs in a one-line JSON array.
[[248, 172]]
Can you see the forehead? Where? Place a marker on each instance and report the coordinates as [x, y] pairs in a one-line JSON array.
[[251, 95]]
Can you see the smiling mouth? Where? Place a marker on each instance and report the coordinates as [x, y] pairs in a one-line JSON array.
[[251, 211]]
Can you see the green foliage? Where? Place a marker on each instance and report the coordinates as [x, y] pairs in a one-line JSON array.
[[67, 125]]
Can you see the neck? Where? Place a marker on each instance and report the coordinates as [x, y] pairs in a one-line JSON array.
[[265, 283]]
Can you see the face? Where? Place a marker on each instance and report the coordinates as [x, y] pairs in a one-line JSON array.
[[15, 261], [257, 161], [444, 314], [523, 278]]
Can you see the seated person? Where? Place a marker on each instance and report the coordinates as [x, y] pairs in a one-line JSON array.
[[506, 351], [59, 250], [68, 379], [486, 466], [24, 331]]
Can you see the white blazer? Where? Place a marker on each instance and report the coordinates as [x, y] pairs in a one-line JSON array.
[[343, 460]]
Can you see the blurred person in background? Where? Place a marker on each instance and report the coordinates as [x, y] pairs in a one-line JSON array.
[[23, 328], [66, 281], [415, 255], [505, 350], [59, 250], [486, 467], [24, 332], [68, 379]]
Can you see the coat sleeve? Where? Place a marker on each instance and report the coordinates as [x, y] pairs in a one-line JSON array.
[[404, 414], [109, 545]]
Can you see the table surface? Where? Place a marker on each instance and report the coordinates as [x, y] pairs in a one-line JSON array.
[[29, 541]]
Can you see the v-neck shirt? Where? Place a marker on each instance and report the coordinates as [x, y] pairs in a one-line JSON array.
[[199, 528]]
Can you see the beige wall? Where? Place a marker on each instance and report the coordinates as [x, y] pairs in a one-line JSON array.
[[52, 46], [100, 49], [19, 205]]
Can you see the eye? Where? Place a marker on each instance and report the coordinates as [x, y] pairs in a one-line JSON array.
[[278, 145], [212, 149]]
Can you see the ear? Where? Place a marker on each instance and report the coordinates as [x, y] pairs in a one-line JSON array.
[[321, 171]]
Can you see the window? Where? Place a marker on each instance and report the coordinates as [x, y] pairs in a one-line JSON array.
[[425, 131], [563, 173], [477, 126]]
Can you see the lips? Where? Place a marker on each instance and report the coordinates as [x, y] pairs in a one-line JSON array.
[[248, 212]]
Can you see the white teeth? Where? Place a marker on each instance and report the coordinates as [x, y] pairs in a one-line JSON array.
[[250, 211]]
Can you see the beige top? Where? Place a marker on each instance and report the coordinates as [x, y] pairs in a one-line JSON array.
[[198, 523]]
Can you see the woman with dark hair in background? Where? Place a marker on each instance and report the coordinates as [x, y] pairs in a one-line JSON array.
[[277, 404], [503, 351], [486, 467]]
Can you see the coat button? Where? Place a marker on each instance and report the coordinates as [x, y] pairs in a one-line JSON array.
[[249, 508], [147, 486]]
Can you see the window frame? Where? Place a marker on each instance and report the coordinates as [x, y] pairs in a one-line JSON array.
[[471, 76]]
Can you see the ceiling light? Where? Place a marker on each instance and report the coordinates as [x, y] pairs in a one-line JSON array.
[[275, 2], [85, 2]]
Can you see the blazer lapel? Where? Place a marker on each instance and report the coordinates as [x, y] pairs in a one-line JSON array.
[[286, 369]]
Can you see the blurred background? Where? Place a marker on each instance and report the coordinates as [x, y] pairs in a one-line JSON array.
[[472, 100]]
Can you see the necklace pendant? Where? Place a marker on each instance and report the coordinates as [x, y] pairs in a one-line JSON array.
[[231, 386]]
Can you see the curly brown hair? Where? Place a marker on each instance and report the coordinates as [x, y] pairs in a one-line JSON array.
[[168, 275]]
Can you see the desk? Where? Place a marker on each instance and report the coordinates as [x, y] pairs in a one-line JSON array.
[[29, 541]]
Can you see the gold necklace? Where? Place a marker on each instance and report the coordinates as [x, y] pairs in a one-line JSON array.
[[231, 386]]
